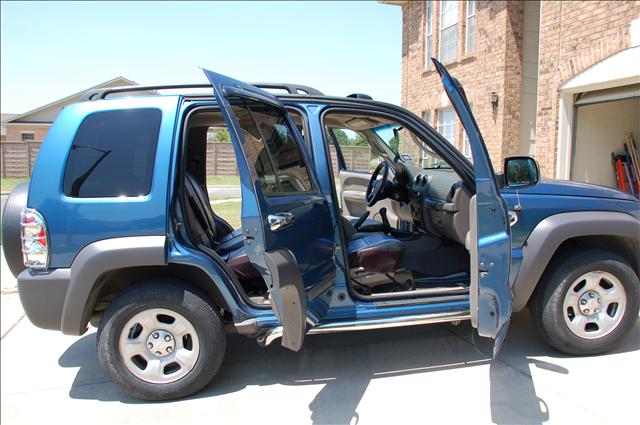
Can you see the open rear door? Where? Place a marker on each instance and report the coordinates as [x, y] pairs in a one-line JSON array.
[[489, 238], [286, 222]]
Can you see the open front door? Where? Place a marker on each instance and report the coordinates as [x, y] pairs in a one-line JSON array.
[[489, 238], [286, 221]]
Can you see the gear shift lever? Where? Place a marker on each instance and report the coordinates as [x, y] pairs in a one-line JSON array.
[[383, 216], [361, 220]]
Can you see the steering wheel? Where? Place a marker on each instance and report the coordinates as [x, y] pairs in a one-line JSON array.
[[376, 187]]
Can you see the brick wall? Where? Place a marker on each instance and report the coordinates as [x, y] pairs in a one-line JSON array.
[[14, 131], [573, 36], [495, 66]]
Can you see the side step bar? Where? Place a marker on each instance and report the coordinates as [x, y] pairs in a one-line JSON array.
[[361, 325]]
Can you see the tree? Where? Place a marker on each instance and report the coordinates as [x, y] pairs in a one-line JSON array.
[[341, 137], [344, 140], [360, 141], [219, 135], [394, 144]]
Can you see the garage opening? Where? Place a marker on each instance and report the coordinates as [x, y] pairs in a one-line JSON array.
[[602, 121]]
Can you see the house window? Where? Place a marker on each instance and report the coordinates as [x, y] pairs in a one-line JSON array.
[[427, 117], [471, 26], [27, 136], [466, 147], [447, 124], [448, 30], [428, 46], [425, 155]]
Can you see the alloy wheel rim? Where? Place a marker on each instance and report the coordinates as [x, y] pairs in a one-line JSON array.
[[159, 346], [594, 304]]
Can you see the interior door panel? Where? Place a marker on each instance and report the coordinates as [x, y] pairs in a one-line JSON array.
[[353, 186]]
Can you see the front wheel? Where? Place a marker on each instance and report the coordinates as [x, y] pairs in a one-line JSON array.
[[588, 302], [161, 340]]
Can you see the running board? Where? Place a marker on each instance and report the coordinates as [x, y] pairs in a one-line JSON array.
[[361, 325], [446, 290]]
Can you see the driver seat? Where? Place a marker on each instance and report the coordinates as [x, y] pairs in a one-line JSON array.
[[372, 251]]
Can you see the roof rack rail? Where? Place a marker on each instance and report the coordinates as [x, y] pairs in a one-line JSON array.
[[98, 94], [360, 96]]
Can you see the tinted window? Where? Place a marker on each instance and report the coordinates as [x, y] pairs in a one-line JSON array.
[[113, 154], [277, 159]]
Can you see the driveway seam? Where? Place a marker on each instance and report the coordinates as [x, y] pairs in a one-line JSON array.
[[12, 326]]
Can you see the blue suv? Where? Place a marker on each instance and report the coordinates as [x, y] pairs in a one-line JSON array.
[[116, 229]]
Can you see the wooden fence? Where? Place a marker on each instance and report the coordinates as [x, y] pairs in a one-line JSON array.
[[18, 158]]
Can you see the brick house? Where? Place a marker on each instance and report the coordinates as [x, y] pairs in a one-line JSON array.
[[557, 80], [22, 134], [33, 125]]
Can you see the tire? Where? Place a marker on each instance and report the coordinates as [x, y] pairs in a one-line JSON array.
[[571, 318], [11, 238], [141, 323]]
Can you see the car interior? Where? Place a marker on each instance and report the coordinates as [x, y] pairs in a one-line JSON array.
[[404, 224], [410, 236]]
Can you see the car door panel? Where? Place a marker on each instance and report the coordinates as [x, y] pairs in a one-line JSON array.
[[489, 236], [288, 234], [353, 187]]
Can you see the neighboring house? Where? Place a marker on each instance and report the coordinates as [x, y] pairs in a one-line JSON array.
[[33, 125], [3, 130], [557, 80], [22, 134]]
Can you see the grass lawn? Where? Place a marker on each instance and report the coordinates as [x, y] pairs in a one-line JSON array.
[[7, 185], [230, 211], [223, 180]]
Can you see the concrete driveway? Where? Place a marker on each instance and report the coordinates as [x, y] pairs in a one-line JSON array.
[[427, 374]]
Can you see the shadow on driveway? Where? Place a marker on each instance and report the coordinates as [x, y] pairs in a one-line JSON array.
[[347, 362]]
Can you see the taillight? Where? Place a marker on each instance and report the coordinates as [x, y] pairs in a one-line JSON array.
[[35, 245]]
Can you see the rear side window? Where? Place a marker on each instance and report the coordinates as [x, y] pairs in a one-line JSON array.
[[113, 154], [278, 161]]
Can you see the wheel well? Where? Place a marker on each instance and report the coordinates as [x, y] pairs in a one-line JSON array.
[[112, 283], [625, 247]]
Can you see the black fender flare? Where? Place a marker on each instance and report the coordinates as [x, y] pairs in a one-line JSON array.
[[551, 232], [98, 258]]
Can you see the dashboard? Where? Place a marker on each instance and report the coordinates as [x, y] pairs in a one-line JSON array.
[[438, 199]]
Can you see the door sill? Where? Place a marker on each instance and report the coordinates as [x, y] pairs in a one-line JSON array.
[[379, 323], [445, 290]]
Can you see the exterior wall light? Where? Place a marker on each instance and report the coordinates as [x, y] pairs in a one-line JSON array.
[[494, 99]]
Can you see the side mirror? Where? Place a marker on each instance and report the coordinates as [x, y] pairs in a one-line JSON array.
[[521, 171]]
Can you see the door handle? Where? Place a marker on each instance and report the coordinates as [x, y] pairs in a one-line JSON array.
[[280, 220]]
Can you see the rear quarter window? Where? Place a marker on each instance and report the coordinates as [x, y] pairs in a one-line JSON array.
[[113, 154]]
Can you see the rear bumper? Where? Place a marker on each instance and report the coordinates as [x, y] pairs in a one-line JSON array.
[[42, 294]]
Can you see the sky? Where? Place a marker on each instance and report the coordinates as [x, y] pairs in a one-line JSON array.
[[50, 50]]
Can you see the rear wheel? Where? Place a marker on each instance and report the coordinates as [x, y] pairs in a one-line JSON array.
[[161, 340], [11, 238], [588, 302]]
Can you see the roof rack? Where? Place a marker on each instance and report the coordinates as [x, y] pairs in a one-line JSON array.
[[295, 89], [360, 96]]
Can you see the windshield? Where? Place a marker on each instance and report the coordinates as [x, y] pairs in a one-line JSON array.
[[395, 136]]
